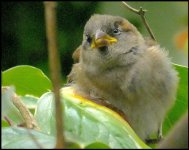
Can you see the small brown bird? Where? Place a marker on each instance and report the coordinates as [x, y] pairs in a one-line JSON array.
[[118, 65]]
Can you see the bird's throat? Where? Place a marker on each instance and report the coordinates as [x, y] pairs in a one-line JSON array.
[[103, 50]]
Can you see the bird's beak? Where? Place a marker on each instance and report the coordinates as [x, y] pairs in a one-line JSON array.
[[102, 39]]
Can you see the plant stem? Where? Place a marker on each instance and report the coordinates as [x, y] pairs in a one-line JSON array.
[[54, 65], [26, 114], [141, 12], [178, 136]]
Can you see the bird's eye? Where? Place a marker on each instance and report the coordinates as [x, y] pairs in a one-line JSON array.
[[88, 38], [116, 31]]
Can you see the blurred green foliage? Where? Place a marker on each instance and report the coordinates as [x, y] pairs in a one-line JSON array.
[[24, 37]]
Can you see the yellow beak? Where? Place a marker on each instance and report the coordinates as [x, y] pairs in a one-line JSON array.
[[102, 39]]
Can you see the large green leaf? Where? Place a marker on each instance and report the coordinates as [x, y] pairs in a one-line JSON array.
[[45, 114], [21, 138], [26, 80], [181, 104], [86, 122]]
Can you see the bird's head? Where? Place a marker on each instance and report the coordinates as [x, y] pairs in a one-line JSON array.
[[108, 39]]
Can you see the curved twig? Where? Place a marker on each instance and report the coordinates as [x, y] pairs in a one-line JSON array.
[[141, 12], [26, 114]]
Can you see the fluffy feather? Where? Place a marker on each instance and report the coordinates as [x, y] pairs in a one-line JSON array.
[[134, 76]]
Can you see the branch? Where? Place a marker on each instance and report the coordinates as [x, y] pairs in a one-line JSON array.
[[29, 120], [8, 121], [178, 136], [141, 12], [26, 114], [54, 65]]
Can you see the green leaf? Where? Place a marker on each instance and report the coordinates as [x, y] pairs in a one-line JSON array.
[[45, 114], [21, 138], [181, 104], [26, 80], [86, 122], [97, 145], [30, 101], [4, 123], [72, 145]]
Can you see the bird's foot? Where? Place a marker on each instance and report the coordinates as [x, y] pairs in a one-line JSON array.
[[154, 141]]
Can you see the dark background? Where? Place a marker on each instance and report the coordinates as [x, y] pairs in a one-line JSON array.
[[23, 35]]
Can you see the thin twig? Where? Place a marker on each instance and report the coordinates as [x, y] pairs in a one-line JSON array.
[[26, 114], [178, 136], [10, 122], [54, 65], [28, 117], [141, 12], [29, 120]]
